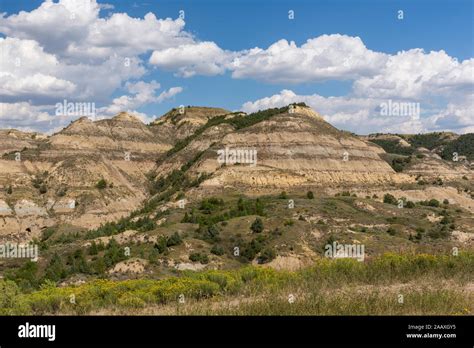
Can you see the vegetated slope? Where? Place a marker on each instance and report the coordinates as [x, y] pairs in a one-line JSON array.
[[431, 285], [463, 146], [180, 123], [324, 187], [440, 143], [441, 154]]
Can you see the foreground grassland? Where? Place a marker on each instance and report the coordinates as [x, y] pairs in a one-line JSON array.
[[385, 285]]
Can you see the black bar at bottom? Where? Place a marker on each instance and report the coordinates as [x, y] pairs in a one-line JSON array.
[[290, 331]]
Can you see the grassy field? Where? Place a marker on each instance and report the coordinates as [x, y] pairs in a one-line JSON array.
[[389, 284]]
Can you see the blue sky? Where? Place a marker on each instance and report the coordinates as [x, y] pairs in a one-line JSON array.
[[347, 99]]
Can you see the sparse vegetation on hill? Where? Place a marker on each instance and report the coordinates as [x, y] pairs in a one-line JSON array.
[[230, 225], [393, 146], [238, 122], [444, 144], [428, 140], [463, 146]]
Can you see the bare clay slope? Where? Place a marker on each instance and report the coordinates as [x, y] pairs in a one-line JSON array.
[[54, 181], [48, 181]]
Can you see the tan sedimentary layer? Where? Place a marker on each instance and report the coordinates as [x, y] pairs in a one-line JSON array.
[[298, 149]]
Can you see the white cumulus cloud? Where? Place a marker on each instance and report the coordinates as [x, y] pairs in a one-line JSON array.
[[326, 57], [414, 73], [142, 93], [203, 58]]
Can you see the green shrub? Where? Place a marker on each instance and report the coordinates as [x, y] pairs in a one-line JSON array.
[[283, 195], [210, 205], [389, 199], [47, 233], [186, 218], [419, 234], [160, 245], [208, 233], [250, 250], [113, 253], [56, 269], [199, 257], [257, 226], [43, 189], [438, 233], [397, 167], [175, 239], [433, 203], [93, 249], [101, 184], [310, 195], [267, 255], [391, 231], [11, 299], [26, 277], [217, 250]]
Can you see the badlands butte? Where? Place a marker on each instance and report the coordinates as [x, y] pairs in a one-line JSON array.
[[160, 189]]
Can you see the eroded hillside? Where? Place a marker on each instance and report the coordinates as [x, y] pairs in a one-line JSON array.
[[205, 188]]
